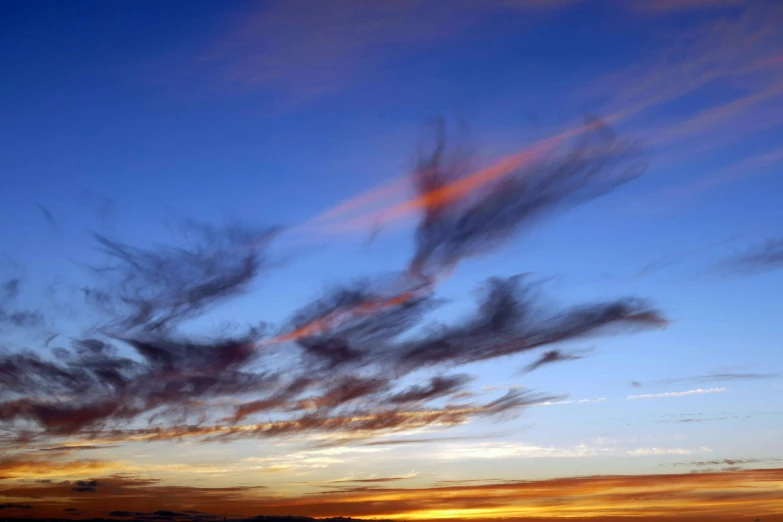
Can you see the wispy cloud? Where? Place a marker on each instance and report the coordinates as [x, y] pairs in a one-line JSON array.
[[745, 168], [573, 401], [519, 450], [685, 393], [550, 357], [670, 6], [645, 452], [725, 462], [766, 257], [709, 377], [338, 366], [26, 465], [305, 48]]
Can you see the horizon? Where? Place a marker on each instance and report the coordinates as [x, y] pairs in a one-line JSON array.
[[415, 260]]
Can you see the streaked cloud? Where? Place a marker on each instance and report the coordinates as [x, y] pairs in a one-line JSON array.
[[645, 452], [305, 48], [601, 448], [709, 377], [685, 393], [725, 462], [20, 465], [720, 496], [763, 258], [350, 351], [574, 401]]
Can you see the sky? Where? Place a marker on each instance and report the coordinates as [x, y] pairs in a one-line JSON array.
[[391, 260]]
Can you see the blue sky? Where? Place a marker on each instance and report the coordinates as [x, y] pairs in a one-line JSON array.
[[122, 117]]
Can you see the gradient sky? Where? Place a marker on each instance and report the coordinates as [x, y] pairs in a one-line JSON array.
[[125, 117]]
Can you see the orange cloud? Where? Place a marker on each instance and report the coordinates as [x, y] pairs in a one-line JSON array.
[[25, 465], [326, 323], [720, 496]]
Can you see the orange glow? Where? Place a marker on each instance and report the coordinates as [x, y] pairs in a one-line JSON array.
[[21, 466], [737, 495], [329, 321]]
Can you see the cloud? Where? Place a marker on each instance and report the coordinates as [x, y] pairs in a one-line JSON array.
[[66, 448], [358, 425], [745, 168], [85, 486], [343, 367], [766, 257], [469, 213], [710, 377], [677, 394], [511, 450], [125, 495], [726, 60], [719, 495], [11, 314], [433, 440], [725, 462], [157, 288], [437, 387], [304, 48], [26, 465], [550, 357], [580, 401], [15, 506], [370, 480], [518, 450], [646, 452], [668, 6]]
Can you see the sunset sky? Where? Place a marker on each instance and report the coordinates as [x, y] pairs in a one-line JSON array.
[[238, 278]]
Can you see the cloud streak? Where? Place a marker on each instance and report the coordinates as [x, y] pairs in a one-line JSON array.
[[685, 393], [721, 496], [764, 258], [710, 377]]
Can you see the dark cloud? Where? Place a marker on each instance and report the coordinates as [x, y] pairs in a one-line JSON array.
[[85, 486], [155, 289], [509, 320], [536, 184], [347, 363], [47, 214], [437, 387], [732, 463], [335, 329], [10, 312], [168, 514], [550, 357], [374, 480], [82, 447]]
